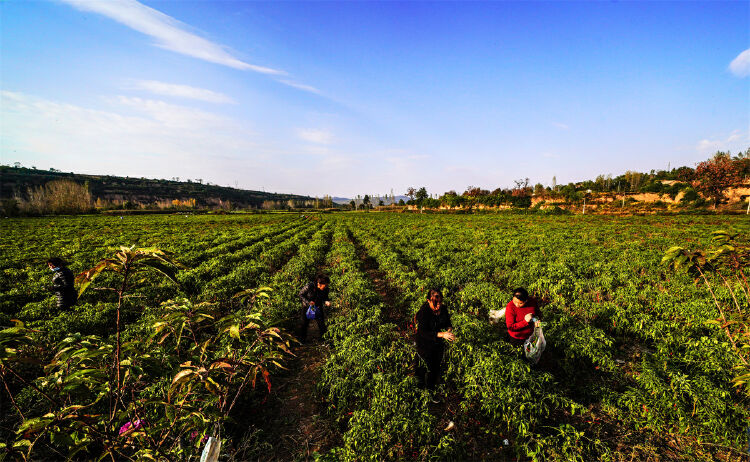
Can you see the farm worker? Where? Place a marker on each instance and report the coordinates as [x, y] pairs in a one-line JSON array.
[[62, 283], [314, 297], [521, 316], [433, 328]]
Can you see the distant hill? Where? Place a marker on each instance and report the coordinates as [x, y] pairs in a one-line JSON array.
[[15, 182]]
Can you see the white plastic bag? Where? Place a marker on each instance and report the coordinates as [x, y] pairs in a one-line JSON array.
[[534, 345], [211, 450], [496, 316]]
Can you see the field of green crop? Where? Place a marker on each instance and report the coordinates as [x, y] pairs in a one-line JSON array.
[[634, 369]]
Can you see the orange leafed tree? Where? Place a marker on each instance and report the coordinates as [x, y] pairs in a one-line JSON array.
[[714, 176]]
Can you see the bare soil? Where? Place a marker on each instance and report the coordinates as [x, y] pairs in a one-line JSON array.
[[292, 424]]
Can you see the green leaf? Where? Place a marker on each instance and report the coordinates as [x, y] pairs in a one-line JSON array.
[[234, 331], [81, 373], [166, 271], [62, 439], [672, 252], [212, 386], [34, 424], [85, 278]]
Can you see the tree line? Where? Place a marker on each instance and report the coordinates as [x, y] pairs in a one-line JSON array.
[[705, 184]]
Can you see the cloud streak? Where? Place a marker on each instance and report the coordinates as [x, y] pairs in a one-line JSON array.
[[169, 33], [148, 137], [182, 91], [735, 142], [300, 86], [138, 136], [740, 66], [316, 136]]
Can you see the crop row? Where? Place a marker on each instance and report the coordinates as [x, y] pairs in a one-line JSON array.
[[283, 307], [620, 333], [488, 372], [366, 380], [628, 342], [211, 263], [272, 262], [260, 251], [246, 268], [679, 382], [83, 241]]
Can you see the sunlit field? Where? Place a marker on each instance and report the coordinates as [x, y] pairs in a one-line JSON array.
[[632, 368]]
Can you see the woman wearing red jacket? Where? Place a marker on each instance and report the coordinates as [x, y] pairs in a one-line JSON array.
[[521, 316]]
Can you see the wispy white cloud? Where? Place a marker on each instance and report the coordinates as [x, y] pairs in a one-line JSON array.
[[172, 115], [300, 86], [736, 141], [418, 157], [404, 160], [317, 136], [740, 66], [561, 125], [136, 137], [168, 32], [148, 137], [708, 145], [181, 91], [550, 155]]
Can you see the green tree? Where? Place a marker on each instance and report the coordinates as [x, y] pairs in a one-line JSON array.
[[421, 195]]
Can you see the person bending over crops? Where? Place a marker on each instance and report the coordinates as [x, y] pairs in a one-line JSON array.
[[62, 283], [433, 328], [521, 316], [314, 297]]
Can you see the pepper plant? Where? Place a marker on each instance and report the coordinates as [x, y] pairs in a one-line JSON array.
[[723, 267], [179, 384]]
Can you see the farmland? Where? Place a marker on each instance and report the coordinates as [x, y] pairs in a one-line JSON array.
[[632, 371]]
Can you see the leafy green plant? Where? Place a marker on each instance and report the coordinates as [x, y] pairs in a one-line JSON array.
[[626, 341], [726, 266], [128, 263], [178, 385]]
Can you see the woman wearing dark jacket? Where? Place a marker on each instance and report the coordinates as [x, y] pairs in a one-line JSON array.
[[433, 328], [314, 295], [62, 283]]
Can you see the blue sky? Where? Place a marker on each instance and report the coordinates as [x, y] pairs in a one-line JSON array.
[[348, 98]]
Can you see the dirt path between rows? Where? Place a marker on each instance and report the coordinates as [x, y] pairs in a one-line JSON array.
[[293, 413], [396, 313], [466, 428], [292, 424]]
